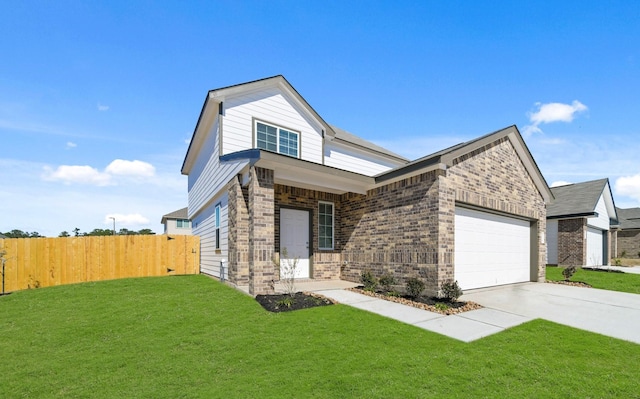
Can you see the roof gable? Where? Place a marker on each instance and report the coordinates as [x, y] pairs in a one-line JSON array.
[[445, 159], [179, 214], [215, 97], [581, 199]]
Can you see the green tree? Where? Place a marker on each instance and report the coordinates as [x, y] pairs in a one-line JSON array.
[[64, 234], [76, 232], [126, 232], [100, 232], [146, 232]]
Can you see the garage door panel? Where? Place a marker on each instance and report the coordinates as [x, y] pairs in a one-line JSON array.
[[490, 249]]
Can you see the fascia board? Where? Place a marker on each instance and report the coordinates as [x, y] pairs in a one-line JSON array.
[[200, 133]]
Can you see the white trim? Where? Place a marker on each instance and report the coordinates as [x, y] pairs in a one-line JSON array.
[[278, 130]]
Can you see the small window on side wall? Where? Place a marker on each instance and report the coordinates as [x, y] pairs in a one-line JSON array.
[[325, 225], [217, 226]]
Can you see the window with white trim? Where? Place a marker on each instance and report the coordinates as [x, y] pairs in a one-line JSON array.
[[325, 225], [277, 139], [217, 225], [182, 223]]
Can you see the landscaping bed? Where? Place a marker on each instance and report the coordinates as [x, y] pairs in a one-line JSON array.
[[277, 303], [571, 283], [436, 305]]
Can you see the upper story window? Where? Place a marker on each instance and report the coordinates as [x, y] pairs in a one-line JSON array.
[[182, 223], [277, 139]]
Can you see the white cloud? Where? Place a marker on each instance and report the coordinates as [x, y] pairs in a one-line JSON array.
[[134, 219], [103, 107], [559, 183], [552, 112], [628, 186], [122, 167], [77, 174], [71, 145]]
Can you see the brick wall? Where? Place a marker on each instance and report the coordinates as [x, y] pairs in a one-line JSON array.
[[393, 229], [494, 177], [262, 274], [238, 220], [572, 247], [325, 264], [629, 242]]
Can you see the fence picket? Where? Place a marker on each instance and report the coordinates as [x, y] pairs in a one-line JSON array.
[[44, 262]]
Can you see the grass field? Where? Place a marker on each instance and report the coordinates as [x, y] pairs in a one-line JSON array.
[[624, 282], [192, 337]]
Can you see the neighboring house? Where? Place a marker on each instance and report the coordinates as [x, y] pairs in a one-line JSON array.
[[628, 233], [579, 222], [2, 236], [177, 222], [267, 174]]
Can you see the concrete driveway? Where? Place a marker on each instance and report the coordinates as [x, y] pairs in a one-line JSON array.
[[616, 314]]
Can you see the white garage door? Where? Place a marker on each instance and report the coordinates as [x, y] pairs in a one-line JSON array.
[[490, 249], [595, 246]]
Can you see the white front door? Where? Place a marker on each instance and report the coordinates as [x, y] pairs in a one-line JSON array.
[[294, 240]]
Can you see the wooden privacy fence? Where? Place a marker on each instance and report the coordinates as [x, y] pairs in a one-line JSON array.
[[44, 262]]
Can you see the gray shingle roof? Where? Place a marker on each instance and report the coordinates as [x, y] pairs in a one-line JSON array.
[[579, 199], [629, 218], [179, 214], [358, 141]]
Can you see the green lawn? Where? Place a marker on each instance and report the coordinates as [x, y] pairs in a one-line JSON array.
[[192, 337], [624, 282]]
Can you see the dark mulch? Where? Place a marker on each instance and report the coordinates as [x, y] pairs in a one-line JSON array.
[[285, 303]]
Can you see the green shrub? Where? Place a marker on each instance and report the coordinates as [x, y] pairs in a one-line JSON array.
[[617, 262], [387, 281], [451, 290], [568, 272], [441, 306], [414, 287], [369, 281]]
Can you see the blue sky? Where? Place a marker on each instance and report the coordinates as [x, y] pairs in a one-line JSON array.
[[99, 99]]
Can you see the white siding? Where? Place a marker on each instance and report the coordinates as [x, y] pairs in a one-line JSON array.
[[204, 225], [602, 221], [353, 160], [171, 227], [272, 106], [552, 242], [208, 176]]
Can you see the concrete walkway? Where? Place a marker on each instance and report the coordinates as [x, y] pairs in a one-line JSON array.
[[615, 314], [623, 269], [467, 326]]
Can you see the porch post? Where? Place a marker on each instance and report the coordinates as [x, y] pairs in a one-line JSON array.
[[238, 233], [261, 231]]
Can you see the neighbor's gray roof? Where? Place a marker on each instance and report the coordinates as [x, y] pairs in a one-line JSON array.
[[179, 214], [629, 218], [579, 199], [360, 142]]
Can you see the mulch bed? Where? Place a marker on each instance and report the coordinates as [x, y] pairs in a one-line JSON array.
[[425, 303], [571, 283], [277, 303]]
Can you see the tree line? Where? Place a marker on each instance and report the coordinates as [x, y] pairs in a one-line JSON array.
[[15, 233]]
